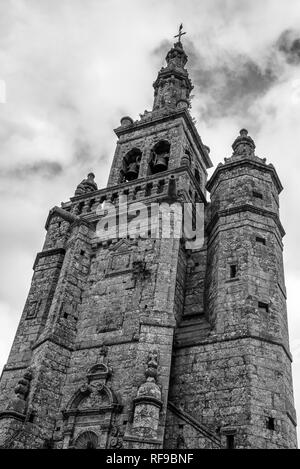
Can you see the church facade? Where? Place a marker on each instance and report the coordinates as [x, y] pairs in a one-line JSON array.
[[147, 341]]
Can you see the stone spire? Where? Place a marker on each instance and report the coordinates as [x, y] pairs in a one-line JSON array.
[[172, 87]]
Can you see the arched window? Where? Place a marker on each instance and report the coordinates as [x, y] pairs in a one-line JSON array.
[[131, 165], [160, 154]]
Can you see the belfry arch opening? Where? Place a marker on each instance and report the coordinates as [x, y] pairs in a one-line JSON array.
[[160, 154], [131, 165]]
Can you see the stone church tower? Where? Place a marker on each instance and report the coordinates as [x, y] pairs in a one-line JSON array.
[[141, 342]]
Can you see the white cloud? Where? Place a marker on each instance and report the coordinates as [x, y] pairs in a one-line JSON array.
[[9, 323]]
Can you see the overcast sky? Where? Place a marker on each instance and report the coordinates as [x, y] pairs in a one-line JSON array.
[[72, 68]]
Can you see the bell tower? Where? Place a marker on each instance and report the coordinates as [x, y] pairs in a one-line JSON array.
[[165, 138], [134, 341]]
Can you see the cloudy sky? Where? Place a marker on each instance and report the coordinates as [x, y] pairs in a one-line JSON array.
[[72, 68]]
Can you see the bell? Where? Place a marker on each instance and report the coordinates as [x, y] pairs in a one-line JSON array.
[[132, 171], [161, 163]]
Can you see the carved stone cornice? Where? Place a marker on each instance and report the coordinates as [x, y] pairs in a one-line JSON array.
[[131, 184], [48, 253], [82, 221], [148, 400], [54, 340], [245, 208], [220, 338], [10, 414], [141, 439], [253, 163], [113, 408]]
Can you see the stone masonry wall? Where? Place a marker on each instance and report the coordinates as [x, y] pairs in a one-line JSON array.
[[237, 384]]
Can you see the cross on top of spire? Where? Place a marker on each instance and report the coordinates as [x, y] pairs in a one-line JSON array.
[[180, 33]]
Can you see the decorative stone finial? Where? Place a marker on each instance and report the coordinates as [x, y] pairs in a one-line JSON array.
[[87, 185], [152, 364], [22, 388], [243, 144], [126, 121], [148, 402], [150, 387], [19, 403], [176, 57], [103, 352]]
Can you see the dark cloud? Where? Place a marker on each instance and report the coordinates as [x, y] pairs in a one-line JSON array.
[[229, 88], [225, 82], [44, 169], [229, 85], [289, 45], [160, 52], [83, 151]]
